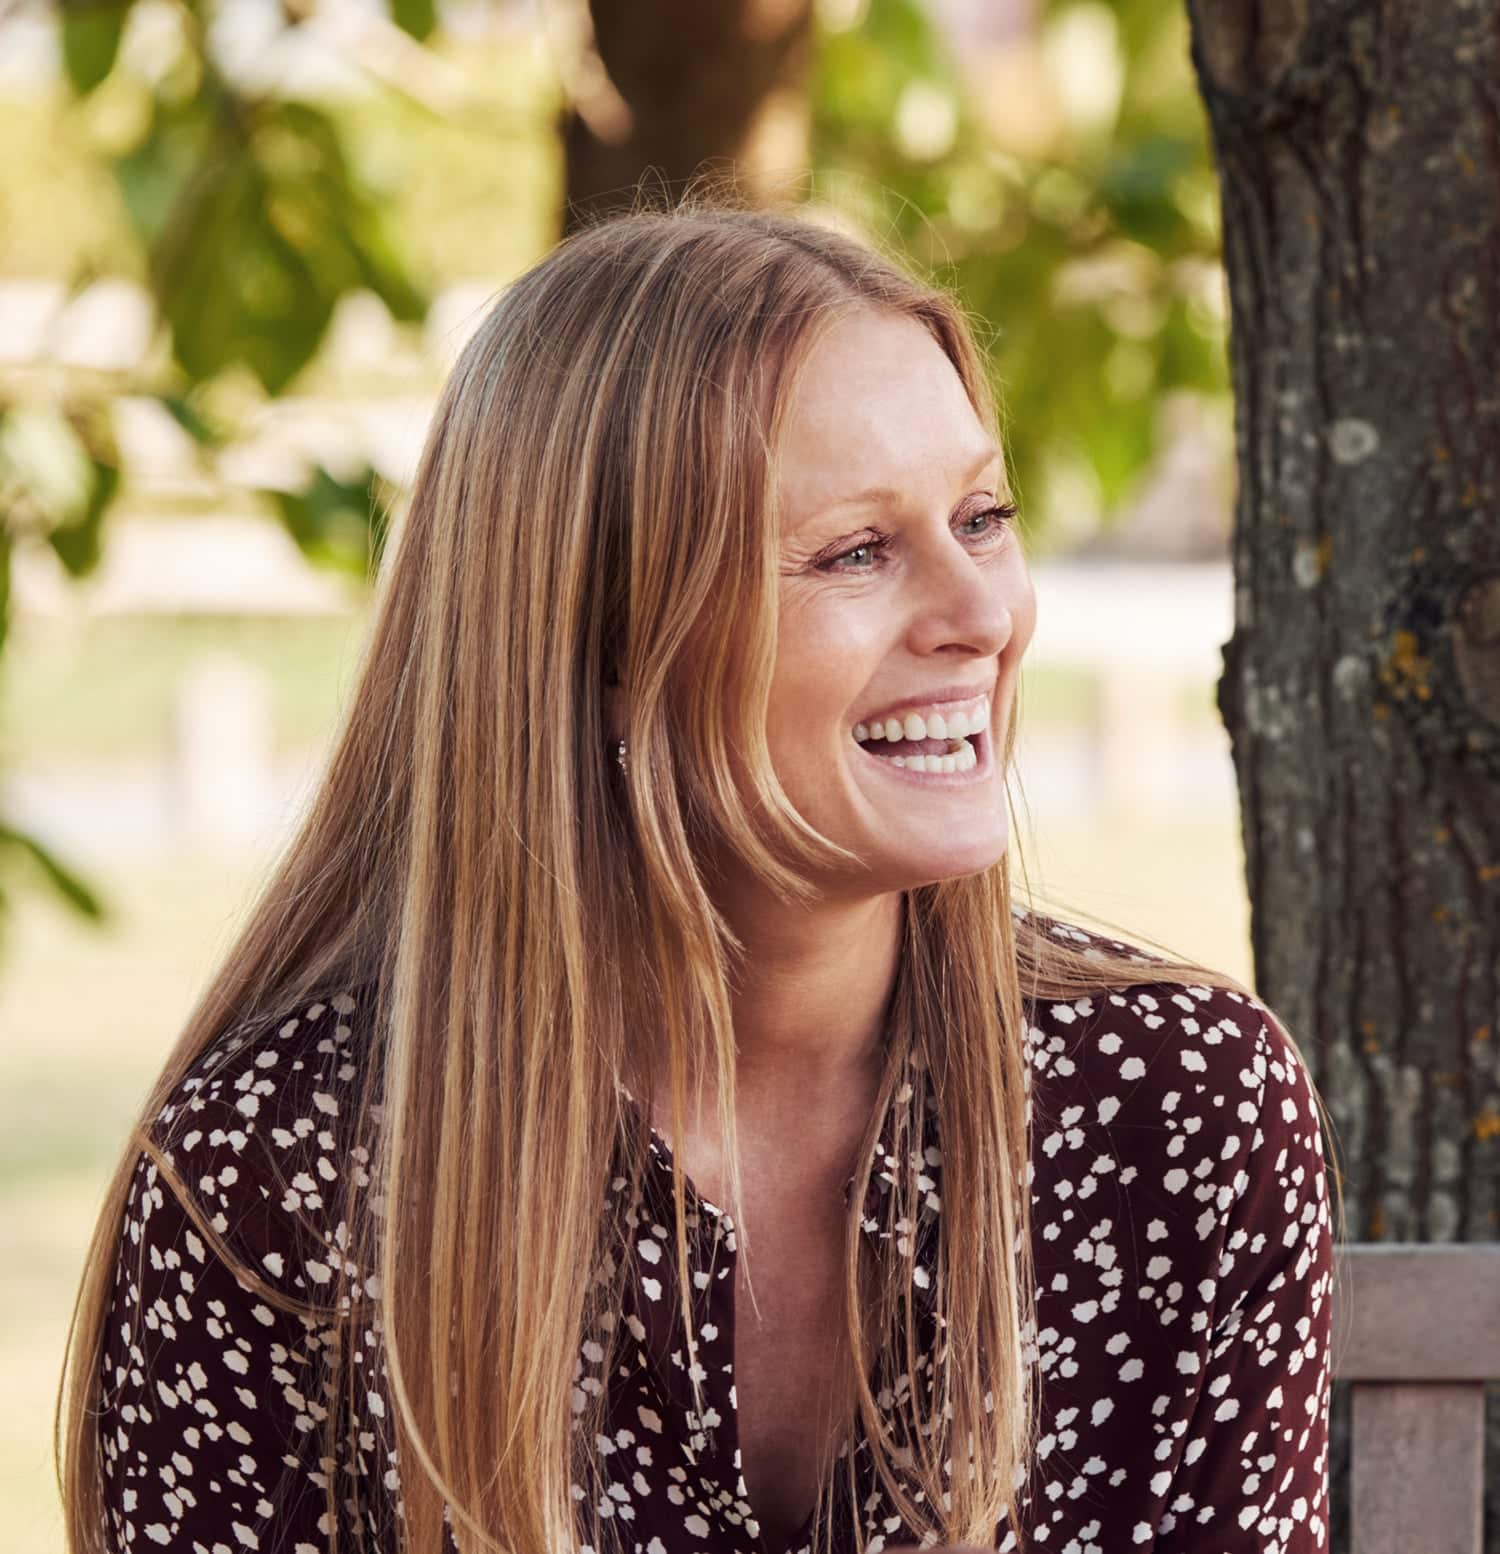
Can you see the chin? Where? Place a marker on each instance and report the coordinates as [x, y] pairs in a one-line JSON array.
[[910, 870], [974, 864]]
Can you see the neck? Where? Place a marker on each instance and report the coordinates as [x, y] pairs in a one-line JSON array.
[[813, 993], [811, 1000], [810, 1006]]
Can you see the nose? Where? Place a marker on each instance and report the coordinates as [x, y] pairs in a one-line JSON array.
[[961, 604]]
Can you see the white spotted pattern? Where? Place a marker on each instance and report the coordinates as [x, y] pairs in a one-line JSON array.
[[1182, 1244]]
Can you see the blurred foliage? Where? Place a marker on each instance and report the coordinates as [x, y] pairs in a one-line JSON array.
[[472, 190], [339, 523], [251, 222], [1058, 179], [18, 848], [1060, 182], [255, 229]]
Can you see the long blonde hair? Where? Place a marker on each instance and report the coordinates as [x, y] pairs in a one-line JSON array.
[[595, 503]]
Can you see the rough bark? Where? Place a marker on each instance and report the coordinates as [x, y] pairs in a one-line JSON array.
[[701, 86], [1358, 144]]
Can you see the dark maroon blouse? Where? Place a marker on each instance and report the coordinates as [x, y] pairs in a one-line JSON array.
[[1183, 1252]]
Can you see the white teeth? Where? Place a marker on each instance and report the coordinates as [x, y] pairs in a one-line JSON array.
[[962, 759], [935, 725]]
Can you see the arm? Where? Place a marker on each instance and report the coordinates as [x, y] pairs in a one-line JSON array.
[[1252, 1472], [1183, 1257], [216, 1388], [212, 1398]]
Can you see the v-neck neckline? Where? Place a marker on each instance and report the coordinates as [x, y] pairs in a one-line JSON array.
[[661, 1149], [729, 1450], [724, 1441]]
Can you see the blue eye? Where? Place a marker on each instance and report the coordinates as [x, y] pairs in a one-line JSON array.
[[874, 549], [870, 554], [994, 517]]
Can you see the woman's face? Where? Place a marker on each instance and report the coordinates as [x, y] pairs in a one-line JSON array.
[[904, 600]]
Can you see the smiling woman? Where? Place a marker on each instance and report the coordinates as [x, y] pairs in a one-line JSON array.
[[901, 604], [642, 1113]]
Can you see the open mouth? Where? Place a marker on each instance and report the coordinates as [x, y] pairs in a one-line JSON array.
[[953, 756]]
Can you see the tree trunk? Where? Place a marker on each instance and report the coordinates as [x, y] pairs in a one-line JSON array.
[[717, 87], [1358, 144]]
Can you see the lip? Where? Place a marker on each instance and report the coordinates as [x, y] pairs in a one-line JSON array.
[[942, 696], [982, 743]]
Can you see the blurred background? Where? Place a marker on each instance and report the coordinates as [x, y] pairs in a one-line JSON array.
[[240, 246]]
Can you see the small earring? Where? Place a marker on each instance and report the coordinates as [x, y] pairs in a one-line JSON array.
[[620, 755]]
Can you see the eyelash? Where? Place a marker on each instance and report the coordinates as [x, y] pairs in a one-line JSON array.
[[881, 543]]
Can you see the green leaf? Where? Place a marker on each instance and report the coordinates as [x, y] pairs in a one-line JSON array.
[[382, 270], [1120, 444], [260, 227], [91, 32], [63, 472], [1190, 358], [43, 458], [155, 176], [341, 524], [231, 286], [1139, 188], [417, 17], [80, 543], [359, 249], [70, 886], [180, 408]]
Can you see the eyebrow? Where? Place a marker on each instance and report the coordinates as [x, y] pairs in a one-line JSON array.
[[883, 494]]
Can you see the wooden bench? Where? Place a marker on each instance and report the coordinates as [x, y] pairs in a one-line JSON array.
[[1416, 1331]]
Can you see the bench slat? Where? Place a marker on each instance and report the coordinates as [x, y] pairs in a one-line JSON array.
[[1418, 1468], [1417, 1313]]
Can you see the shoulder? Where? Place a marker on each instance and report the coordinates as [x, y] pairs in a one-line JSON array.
[[1155, 1043], [1192, 1098], [261, 1130], [1157, 1046]]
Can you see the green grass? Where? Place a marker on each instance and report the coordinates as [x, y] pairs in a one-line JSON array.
[[105, 691]]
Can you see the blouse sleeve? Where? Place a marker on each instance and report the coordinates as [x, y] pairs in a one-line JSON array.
[[209, 1431], [1252, 1473], [215, 1399]]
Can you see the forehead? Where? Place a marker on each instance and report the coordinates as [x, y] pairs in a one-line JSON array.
[[878, 403]]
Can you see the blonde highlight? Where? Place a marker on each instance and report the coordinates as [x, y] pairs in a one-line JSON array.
[[532, 926]]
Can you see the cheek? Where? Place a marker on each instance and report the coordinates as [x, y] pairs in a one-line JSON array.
[[823, 661], [1021, 602], [804, 699], [1025, 625]]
